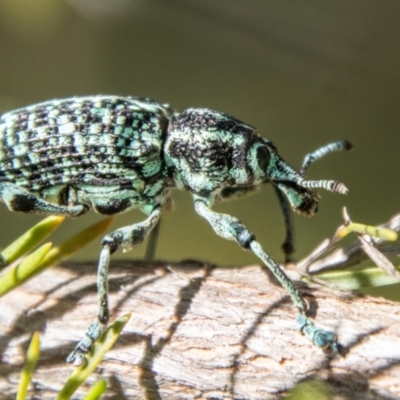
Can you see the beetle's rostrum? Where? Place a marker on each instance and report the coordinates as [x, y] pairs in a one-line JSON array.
[[113, 153]]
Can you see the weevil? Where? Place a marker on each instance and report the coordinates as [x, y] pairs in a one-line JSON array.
[[113, 153]]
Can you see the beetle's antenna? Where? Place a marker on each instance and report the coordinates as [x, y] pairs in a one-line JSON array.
[[323, 151], [332, 186]]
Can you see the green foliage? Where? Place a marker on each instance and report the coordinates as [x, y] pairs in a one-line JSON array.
[[310, 390], [30, 239], [369, 277], [80, 374], [32, 357], [34, 263], [96, 390], [343, 265], [46, 255]]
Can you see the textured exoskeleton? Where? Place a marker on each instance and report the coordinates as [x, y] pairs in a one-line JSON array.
[[112, 153]]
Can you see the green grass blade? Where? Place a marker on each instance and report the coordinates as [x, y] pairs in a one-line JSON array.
[[375, 231], [23, 271], [100, 348], [96, 390], [45, 257], [30, 239], [75, 243], [361, 279], [32, 357]]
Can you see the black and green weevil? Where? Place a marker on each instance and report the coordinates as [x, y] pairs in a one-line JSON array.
[[112, 153]]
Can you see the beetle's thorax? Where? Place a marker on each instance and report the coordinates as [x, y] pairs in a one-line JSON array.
[[208, 150]]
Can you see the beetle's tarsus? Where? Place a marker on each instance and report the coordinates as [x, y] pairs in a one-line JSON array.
[[325, 340]]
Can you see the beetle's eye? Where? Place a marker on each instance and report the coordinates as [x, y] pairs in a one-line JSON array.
[[263, 157]]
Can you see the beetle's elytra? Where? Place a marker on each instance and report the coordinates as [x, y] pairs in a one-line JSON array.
[[112, 153]]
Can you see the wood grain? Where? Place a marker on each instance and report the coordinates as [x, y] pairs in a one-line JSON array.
[[199, 332]]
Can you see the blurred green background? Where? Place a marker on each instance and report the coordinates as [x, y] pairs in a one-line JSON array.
[[304, 73]]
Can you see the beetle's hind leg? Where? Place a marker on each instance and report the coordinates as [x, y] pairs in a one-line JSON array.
[[21, 200], [167, 207], [127, 238]]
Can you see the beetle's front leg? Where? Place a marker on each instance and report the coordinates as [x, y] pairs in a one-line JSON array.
[[20, 200], [231, 228], [127, 238]]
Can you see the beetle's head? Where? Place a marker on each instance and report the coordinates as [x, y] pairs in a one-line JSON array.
[[268, 166]]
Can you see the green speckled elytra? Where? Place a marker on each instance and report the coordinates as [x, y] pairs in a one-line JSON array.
[[114, 153]]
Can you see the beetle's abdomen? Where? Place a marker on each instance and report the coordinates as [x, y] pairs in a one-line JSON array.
[[102, 141]]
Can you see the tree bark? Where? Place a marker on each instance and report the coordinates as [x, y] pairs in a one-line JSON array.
[[199, 332]]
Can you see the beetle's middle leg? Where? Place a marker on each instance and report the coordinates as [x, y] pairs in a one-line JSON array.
[[127, 237], [288, 244]]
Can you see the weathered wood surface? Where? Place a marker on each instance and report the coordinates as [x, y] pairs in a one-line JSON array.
[[199, 333]]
